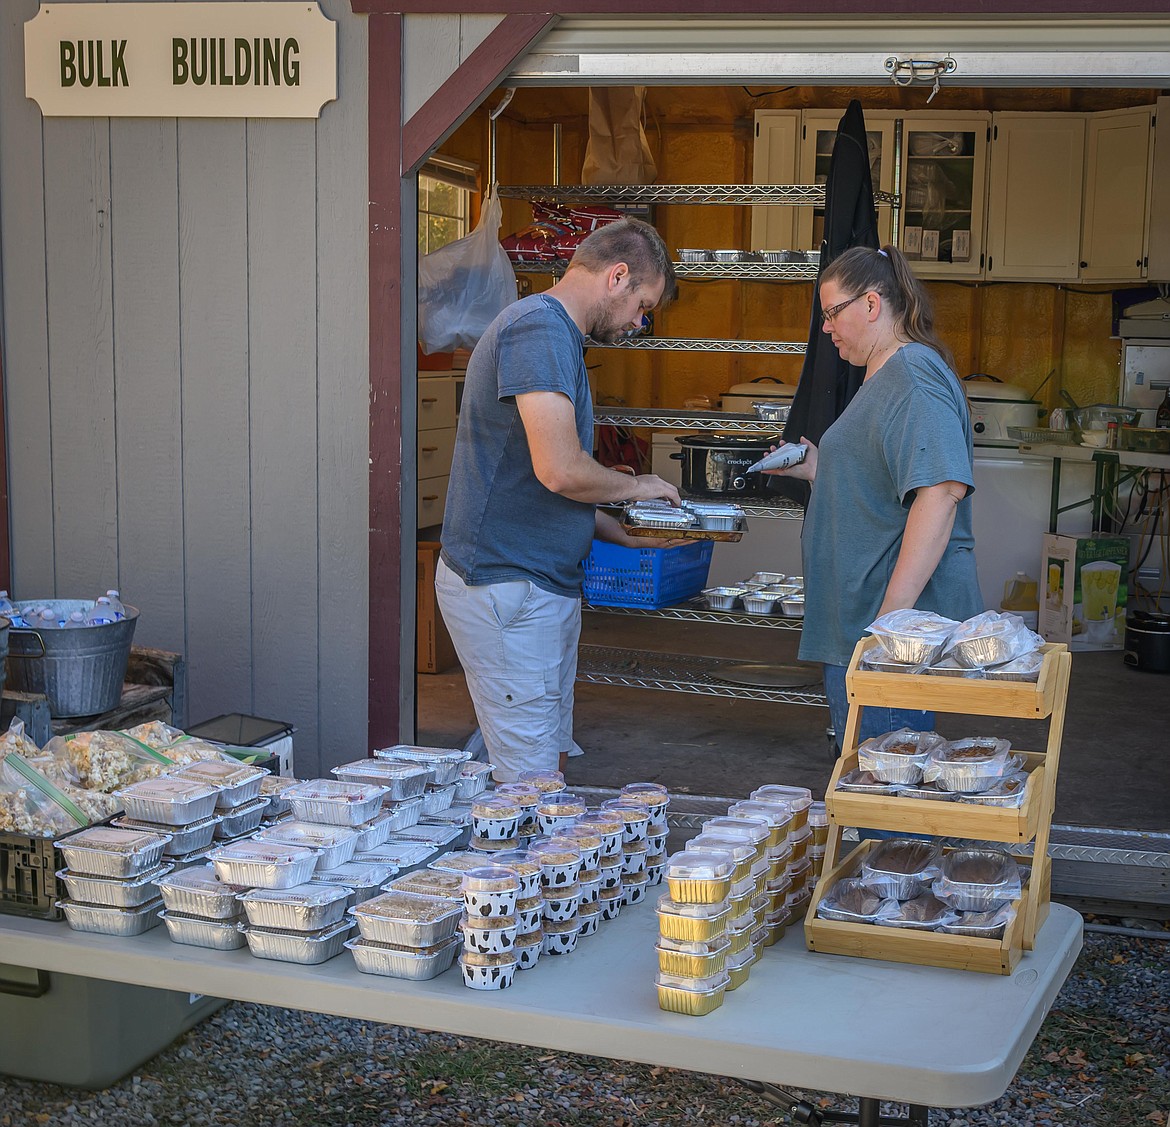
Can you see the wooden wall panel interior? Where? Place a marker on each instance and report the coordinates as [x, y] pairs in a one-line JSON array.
[[147, 377], [213, 284], [81, 355], [282, 350]]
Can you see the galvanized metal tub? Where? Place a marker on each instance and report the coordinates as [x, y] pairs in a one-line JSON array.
[[80, 672]]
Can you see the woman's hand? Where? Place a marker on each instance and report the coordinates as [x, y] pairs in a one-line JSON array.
[[804, 471]]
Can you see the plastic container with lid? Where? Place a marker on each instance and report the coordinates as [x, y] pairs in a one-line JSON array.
[[490, 891], [431, 882], [691, 922], [495, 817], [196, 891], [472, 780], [558, 810], [609, 825], [487, 972], [308, 947], [407, 918], [273, 787], [445, 762], [396, 961], [360, 881], [561, 903], [526, 867], [333, 844], [776, 817], [655, 796], [111, 921], [797, 799], [403, 814], [587, 839], [635, 818], [437, 798], [373, 833], [742, 853], [633, 859], [491, 936], [240, 820], [588, 920], [692, 958], [112, 892], [401, 780], [169, 801], [634, 887], [336, 803], [560, 936], [402, 856], [526, 798], [529, 914], [547, 782], [754, 832], [432, 831], [560, 862], [304, 907], [238, 783], [528, 949], [196, 931], [107, 851], [263, 864], [610, 872], [699, 876], [738, 966], [610, 901], [692, 996]]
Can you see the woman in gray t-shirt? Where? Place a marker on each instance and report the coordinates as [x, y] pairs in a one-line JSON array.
[[889, 521]]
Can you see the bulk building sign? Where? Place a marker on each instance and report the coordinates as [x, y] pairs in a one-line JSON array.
[[180, 60]]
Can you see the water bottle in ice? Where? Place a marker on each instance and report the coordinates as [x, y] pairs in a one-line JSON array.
[[101, 613], [29, 614], [48, 619], [6, 607], [116, 605], [76, 619]]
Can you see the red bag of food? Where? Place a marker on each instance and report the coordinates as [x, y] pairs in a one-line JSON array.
[[566, 245], [534, 243], [551, 213], [590, 217]]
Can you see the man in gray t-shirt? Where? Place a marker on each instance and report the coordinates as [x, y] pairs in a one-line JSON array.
[[522, 505]]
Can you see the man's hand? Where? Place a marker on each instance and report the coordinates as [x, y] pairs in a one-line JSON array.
[[657, 488]]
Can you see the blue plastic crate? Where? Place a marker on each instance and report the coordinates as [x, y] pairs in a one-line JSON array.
[[645, 577]]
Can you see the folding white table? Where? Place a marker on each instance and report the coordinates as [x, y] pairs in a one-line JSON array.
[[879, 1031]]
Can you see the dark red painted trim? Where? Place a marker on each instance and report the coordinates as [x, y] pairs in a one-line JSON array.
[[385, 185], [974, 9], [475, 77], [5, 543]]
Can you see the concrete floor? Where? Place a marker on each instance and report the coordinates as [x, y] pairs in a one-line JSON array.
[[1115, 758]]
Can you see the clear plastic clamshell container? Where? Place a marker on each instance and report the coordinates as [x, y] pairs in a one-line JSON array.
[[333, 844], [429, 833], [472, 780], [445, 762], [263, 864], [437, 798], [111, 921], [693, 923], [403, 814], [109, 851], [111, 892], [396, 961], [273, 787], [237, 783], [334, 802], [401, 780], [681, 994], [373, 833], [197, 891], [430, 882], [195, 931], [305, 907], [241, 820], [297, 946], [409, 919], [168, 801], [401, 855], [184, 840], [360, 881]]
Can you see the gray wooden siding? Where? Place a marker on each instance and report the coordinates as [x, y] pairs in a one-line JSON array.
[[433, 47], [185, 357]]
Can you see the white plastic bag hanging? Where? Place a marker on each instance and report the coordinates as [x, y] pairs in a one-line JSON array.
[[465, 285]]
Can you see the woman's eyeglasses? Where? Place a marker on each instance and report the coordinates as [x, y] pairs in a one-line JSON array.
[[830, 314]]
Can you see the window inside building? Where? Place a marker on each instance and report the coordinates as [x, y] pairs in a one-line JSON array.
[[445, 186]]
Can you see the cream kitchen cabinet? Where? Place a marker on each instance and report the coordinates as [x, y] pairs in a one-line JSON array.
[[943, 189], [774, 156], [1035, 203], [1118, 175], [435, 443]]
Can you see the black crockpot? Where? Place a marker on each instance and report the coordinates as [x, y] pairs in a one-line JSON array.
[[1147, 641], [715, 465]]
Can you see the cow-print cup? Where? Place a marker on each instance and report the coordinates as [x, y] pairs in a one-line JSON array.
[[498, 976], [490, 937]]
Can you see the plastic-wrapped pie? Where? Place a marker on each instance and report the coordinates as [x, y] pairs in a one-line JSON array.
[[969, 765], [978, 880], [1025, 668], [858, 781], [849, 901], [879, 660], [982, 925], [991, 638], [901, 867], [925, 912], [1008, 791], [898, 757], [699, 876], [913, 636]]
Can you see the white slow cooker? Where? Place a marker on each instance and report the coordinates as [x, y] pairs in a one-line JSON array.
[[740, 397], [995, 406]]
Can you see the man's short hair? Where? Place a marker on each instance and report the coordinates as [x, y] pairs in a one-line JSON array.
[[636, 244]]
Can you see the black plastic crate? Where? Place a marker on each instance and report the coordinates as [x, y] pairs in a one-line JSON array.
[[28, 877]]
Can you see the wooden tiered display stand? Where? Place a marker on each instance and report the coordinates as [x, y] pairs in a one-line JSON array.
[[1031, 822]]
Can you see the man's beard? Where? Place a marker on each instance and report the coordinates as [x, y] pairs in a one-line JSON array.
[[604, 327]]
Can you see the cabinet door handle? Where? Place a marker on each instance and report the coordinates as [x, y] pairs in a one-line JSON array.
[[431, 497], [428, 401], [428, 449]]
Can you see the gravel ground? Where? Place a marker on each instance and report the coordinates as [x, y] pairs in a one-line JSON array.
[[1101, 1058]]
